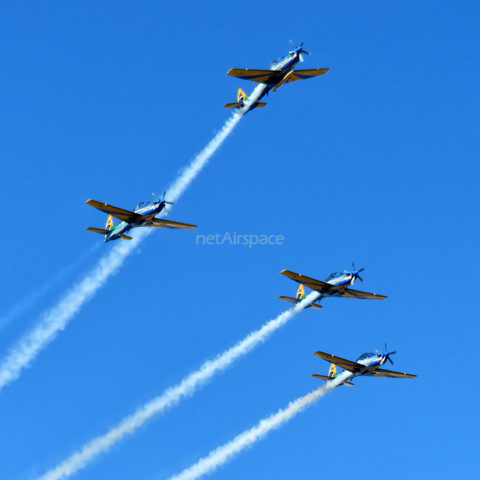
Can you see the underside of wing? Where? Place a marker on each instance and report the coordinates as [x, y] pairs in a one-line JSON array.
[[259, 76], [124, 215], [305, 74], [316, 285], [159, 223], [349, 293], [341, 362], [380, 372]]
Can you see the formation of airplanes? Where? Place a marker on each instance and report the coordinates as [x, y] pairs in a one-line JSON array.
[[281, 72]]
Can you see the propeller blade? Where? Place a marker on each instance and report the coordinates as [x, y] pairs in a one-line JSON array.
[[361, 270], [306, 53], [353, 265], [392, 353], [293, 43], [301, 44], [170, 203], [164, 193], [378, 351], [301, 57], [360, 278], [390, 360]]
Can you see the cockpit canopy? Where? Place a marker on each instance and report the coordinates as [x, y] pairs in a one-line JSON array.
[[276, 62], [368, 355], [142, 205], [335, 275]]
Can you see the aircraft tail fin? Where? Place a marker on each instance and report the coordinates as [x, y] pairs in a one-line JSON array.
[[241, 99], [110, 223], [97, 230], [241, 96], [301, 292], [332, 373]]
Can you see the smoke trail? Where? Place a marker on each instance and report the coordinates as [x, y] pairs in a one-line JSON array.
[[28, 302], [194, 168], [172, 396], [55, 320], [223, 454]]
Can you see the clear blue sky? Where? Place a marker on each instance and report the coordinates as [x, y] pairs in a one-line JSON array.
[[375, 162]]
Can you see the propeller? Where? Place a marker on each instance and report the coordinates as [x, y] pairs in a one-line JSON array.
[[387, 355], [299, 50], [164, 201], [357, 273]]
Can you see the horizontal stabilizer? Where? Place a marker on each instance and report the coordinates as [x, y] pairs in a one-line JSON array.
[[234, 105], [289, 299], [260, 105], [97, 230], [327, 379], [296, 300], [126, 237]]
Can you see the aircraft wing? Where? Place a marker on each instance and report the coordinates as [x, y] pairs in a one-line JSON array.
[[158, 223], [316, 285], [259, 76], [124, 215], [304, 74], [349, 293], [353, 367], [380, 372]]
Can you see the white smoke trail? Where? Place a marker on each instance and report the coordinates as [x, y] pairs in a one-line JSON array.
[[55, 320], [173, 395], [223, 454], [194, 168], [24, 305]]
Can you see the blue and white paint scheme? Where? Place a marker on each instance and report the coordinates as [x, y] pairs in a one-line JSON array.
[[143, 215], [367, 365], [281, 71], [336, 285]]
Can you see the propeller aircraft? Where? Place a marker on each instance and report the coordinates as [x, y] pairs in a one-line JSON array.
[[336, 285], [281, 72], [367, 365], [143, 215]]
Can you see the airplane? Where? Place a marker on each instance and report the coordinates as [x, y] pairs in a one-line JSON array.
[[367, 365], [143, 215], [336, 285], [281, 72]]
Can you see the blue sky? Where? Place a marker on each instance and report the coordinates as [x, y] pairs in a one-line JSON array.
[[375, 162]]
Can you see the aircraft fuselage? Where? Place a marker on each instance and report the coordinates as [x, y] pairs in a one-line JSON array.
[[151, 209], [287, 65]]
